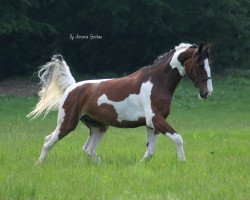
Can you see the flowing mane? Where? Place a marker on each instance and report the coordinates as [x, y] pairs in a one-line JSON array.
[[179, 47], [183, 46]]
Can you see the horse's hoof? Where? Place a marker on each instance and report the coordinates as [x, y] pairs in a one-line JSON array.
[[183, 159], [97, 159], [147, 157], [38, 163]]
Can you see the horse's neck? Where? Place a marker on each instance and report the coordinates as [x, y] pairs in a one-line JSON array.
[[165, 78]]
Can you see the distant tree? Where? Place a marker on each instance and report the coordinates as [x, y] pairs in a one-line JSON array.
[[133, 32], [24, 42]]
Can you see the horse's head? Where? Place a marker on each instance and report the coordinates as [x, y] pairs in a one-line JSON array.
[[198, 70]]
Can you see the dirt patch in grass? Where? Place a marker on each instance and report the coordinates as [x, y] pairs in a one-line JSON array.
[[18, 87]]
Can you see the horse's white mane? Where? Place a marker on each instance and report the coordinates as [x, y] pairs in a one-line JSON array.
[[182, 46]]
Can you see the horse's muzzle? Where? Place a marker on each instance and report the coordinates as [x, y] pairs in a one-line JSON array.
[[204, 95]]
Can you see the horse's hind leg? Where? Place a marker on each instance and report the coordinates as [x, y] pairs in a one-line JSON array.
[[66, 123], [49, 142], [151, 140], [96, 135]]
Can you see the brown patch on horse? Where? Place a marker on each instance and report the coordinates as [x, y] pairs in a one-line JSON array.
[[120, 85], [71, 113]]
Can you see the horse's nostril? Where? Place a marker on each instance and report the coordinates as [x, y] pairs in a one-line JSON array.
[[203, 94]]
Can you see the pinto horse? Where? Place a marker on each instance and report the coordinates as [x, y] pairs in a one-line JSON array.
[[139, 99]]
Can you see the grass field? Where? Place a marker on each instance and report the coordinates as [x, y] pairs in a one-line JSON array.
[[216, 135]]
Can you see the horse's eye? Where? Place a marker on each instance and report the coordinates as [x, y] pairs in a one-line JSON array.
[[201, 65]]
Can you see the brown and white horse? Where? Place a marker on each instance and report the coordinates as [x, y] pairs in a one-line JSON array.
[[140, 99]]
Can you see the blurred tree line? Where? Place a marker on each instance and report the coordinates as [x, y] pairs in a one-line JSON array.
[[134, 33]]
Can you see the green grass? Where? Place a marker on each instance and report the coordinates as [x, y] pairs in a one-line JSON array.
[[216, 133]]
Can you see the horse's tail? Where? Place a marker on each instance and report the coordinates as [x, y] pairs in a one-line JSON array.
[[55, 78]]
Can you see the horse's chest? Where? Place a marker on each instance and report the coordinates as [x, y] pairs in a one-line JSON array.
[[133, 107]]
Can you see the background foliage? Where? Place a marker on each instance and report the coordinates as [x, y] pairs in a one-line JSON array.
[[133, 32]]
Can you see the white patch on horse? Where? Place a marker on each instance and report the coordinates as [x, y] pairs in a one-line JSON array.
[[175, 63], [209, 81], [134, 106]]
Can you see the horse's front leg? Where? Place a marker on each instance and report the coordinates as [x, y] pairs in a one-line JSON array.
[[162, 126], [151, 140]]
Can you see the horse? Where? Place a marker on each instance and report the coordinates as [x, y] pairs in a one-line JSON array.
[[142, 98]]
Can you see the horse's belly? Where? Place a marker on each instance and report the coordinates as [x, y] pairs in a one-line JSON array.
[[107, 115], [130, 124]]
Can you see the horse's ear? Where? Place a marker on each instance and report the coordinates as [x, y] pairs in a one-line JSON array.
[[208, 47], [200, 47]]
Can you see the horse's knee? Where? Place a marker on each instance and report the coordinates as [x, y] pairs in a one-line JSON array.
[[149, 123], [178, 139], [48, 145], [50, 140], [47, 138]]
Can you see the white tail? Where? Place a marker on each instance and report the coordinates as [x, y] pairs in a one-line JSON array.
[[55, 77]]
